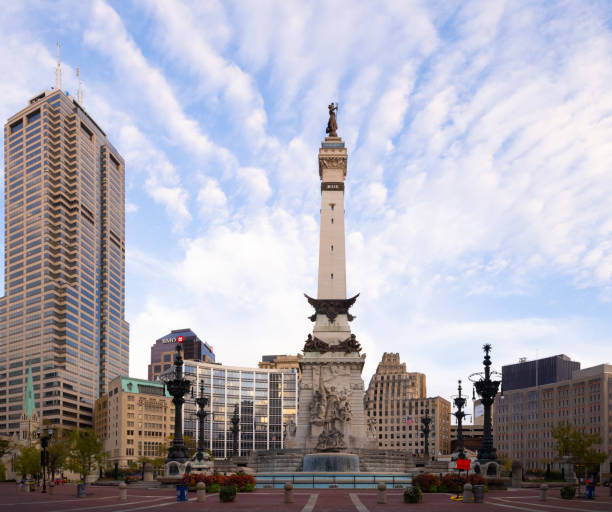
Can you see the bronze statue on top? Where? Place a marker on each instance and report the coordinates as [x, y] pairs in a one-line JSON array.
[[332, 125]]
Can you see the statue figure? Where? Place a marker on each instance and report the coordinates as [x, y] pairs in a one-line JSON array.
[[344, 406], [317, 408], [290, 428], [372, 428], [332, 125]]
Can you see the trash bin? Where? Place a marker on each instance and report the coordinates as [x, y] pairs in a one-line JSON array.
[[181, 492], [590, 492], [81, 493], [478, 491]]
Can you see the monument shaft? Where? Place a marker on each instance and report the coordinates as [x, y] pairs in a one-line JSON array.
[[330, 409], [332, 257]]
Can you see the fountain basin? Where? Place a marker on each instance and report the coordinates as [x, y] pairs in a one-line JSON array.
[[331, 462]]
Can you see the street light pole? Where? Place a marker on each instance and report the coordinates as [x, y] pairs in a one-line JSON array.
[[425, 427], [178, 387], [44, 441], [235, 430], [459, 414], [201, 402], [487, 389]]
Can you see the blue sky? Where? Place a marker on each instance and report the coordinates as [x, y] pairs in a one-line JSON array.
[[479, 182]]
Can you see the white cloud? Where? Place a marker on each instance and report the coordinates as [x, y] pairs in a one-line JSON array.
[[255, 182], [107, 34], [212, 200], [184, 35]]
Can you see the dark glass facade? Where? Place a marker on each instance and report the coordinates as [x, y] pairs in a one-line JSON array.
[[548, 370], [162, 353]]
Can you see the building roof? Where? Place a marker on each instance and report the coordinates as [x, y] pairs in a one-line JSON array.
[[186, 332], [132, 385]]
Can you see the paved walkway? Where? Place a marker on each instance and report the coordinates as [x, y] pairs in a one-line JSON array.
[[106, 499]]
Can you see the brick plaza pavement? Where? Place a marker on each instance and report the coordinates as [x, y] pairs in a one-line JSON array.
[[106, 499]]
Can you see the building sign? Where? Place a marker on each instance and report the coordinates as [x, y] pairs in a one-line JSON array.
[[173, 340], [463, 464], [332, 185]]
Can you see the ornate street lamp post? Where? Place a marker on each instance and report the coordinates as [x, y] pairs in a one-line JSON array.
[[486, 389], [44, 442], [201, 402], [460, 402], [178, 387], [425, 428], [235, 430]]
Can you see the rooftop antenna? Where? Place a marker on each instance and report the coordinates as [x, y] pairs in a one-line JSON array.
[[58, 71], [80, 89]]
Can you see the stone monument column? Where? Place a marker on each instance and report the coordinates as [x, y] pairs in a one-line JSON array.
[[330, 404]]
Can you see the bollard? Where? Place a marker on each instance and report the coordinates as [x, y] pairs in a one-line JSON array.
[[51, 487], [543, 491], [468, 497], [288, 492], [201, 492], [382, 493], [122, 491]]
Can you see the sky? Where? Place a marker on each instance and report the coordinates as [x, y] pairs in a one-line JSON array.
[[479, 177]]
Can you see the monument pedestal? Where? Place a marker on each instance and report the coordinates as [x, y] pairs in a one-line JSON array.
[[330, 413]]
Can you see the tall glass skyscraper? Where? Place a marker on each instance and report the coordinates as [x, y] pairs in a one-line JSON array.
[[64, 271]]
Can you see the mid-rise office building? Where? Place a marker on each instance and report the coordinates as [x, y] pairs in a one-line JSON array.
[[162, 352], [64, 272], [135, 418], [525, 417], [280, 361], [472, 437], [396, 401], [265, 399]]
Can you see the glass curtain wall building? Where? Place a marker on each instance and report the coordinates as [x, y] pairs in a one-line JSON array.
[[266, 400], [64, 273]]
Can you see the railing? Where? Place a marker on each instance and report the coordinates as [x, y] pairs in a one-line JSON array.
[[326, 480]]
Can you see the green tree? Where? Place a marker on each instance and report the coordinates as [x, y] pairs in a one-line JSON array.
[[27, 461], [86, 451], [58, 452], [5, 446], [579, 446], [156, 462]]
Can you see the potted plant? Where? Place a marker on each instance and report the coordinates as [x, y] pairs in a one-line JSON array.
[[568, 492], [227, 493], [413, 494]]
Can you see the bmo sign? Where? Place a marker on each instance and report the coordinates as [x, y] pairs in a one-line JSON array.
[[178, 339]]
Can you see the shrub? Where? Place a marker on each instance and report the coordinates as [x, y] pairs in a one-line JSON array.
[[475, 479], [242, 481], [413, 494], [227, 493], [568, 492], [427, 482], [453, 482]]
